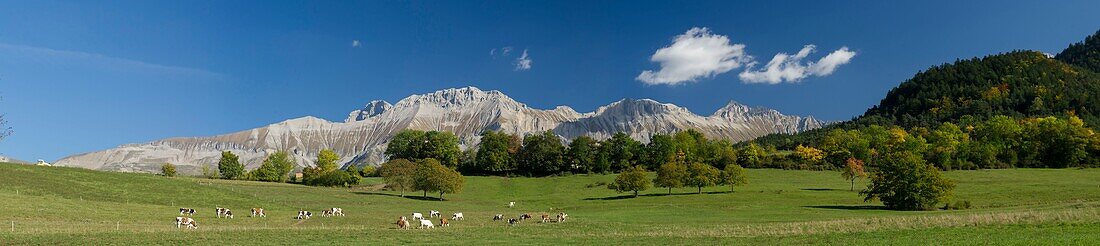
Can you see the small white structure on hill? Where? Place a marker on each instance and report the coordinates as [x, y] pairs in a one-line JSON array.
[[42, 163]]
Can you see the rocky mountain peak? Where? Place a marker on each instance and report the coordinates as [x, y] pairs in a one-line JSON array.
[[372, 109], [627, 107]]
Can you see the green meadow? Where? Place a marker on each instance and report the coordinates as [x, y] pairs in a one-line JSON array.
[[64, 206]]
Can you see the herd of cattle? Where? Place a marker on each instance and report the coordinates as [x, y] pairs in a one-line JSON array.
[[402, 222]]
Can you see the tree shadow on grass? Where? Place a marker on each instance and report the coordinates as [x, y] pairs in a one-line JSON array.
[[422, 198], [628, 196], [849, 207]]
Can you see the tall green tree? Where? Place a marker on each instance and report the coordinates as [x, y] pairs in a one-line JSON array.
[[751, 155], [622, 151], [661, 149], [693, 143], [399, 174], [581, 155], [632, 179], [494, 154], [542, 154], [230, 166], [326, 160]]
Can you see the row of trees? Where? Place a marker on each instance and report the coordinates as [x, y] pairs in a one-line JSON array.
[[678, 173], [543, 153], [999, 142], [427, 175]]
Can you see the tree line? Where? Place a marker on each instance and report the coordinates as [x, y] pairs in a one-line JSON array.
[[544, 153]]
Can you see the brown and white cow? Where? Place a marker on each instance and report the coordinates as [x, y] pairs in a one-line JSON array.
[[221, 212], [524, 216], [402, 223], [444, 222], [545, 218], [258, 212], [180, 221]]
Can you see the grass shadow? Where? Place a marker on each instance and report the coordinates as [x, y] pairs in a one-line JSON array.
[[654, 195], [819, 189], [849, 207], [421, 198]]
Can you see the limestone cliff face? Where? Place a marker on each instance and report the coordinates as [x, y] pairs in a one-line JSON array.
[[362, 137]]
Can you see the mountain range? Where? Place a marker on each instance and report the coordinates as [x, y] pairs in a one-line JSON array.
[[361, 139]]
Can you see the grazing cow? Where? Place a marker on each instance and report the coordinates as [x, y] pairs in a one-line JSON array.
[[511, 204], [443, 222], [561, 217], [332, 212], [187, 211], [418, 216], [402, 223], [302, 214], [220, 211], [258, 212], [512, 222], [228, 214], [457, 216], [524, 216], [498, 217], [426, 224], [434, 213], [545, 218], [180, 221]]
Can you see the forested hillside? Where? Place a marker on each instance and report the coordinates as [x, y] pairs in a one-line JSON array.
[[1018, 84]]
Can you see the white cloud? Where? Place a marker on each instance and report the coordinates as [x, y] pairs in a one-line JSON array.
[[695, 54], [356, 44], [790, 68], [523, 63]]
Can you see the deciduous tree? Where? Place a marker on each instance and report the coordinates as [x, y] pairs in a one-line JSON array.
[[399, 174], [230, 166], [632, 179]]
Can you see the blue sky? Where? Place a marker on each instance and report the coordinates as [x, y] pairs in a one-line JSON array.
[[82, 76]]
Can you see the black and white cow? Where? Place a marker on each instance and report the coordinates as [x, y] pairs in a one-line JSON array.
[[302, 214], [187, 211]]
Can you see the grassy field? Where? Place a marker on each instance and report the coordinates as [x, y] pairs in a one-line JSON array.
[[52, 205]]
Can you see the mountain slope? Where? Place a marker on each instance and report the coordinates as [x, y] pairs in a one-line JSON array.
[[467, 112], [1085, 53], [1017, 84]]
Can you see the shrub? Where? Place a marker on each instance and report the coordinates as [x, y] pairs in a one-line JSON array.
[[904, 181], [168, 170]]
